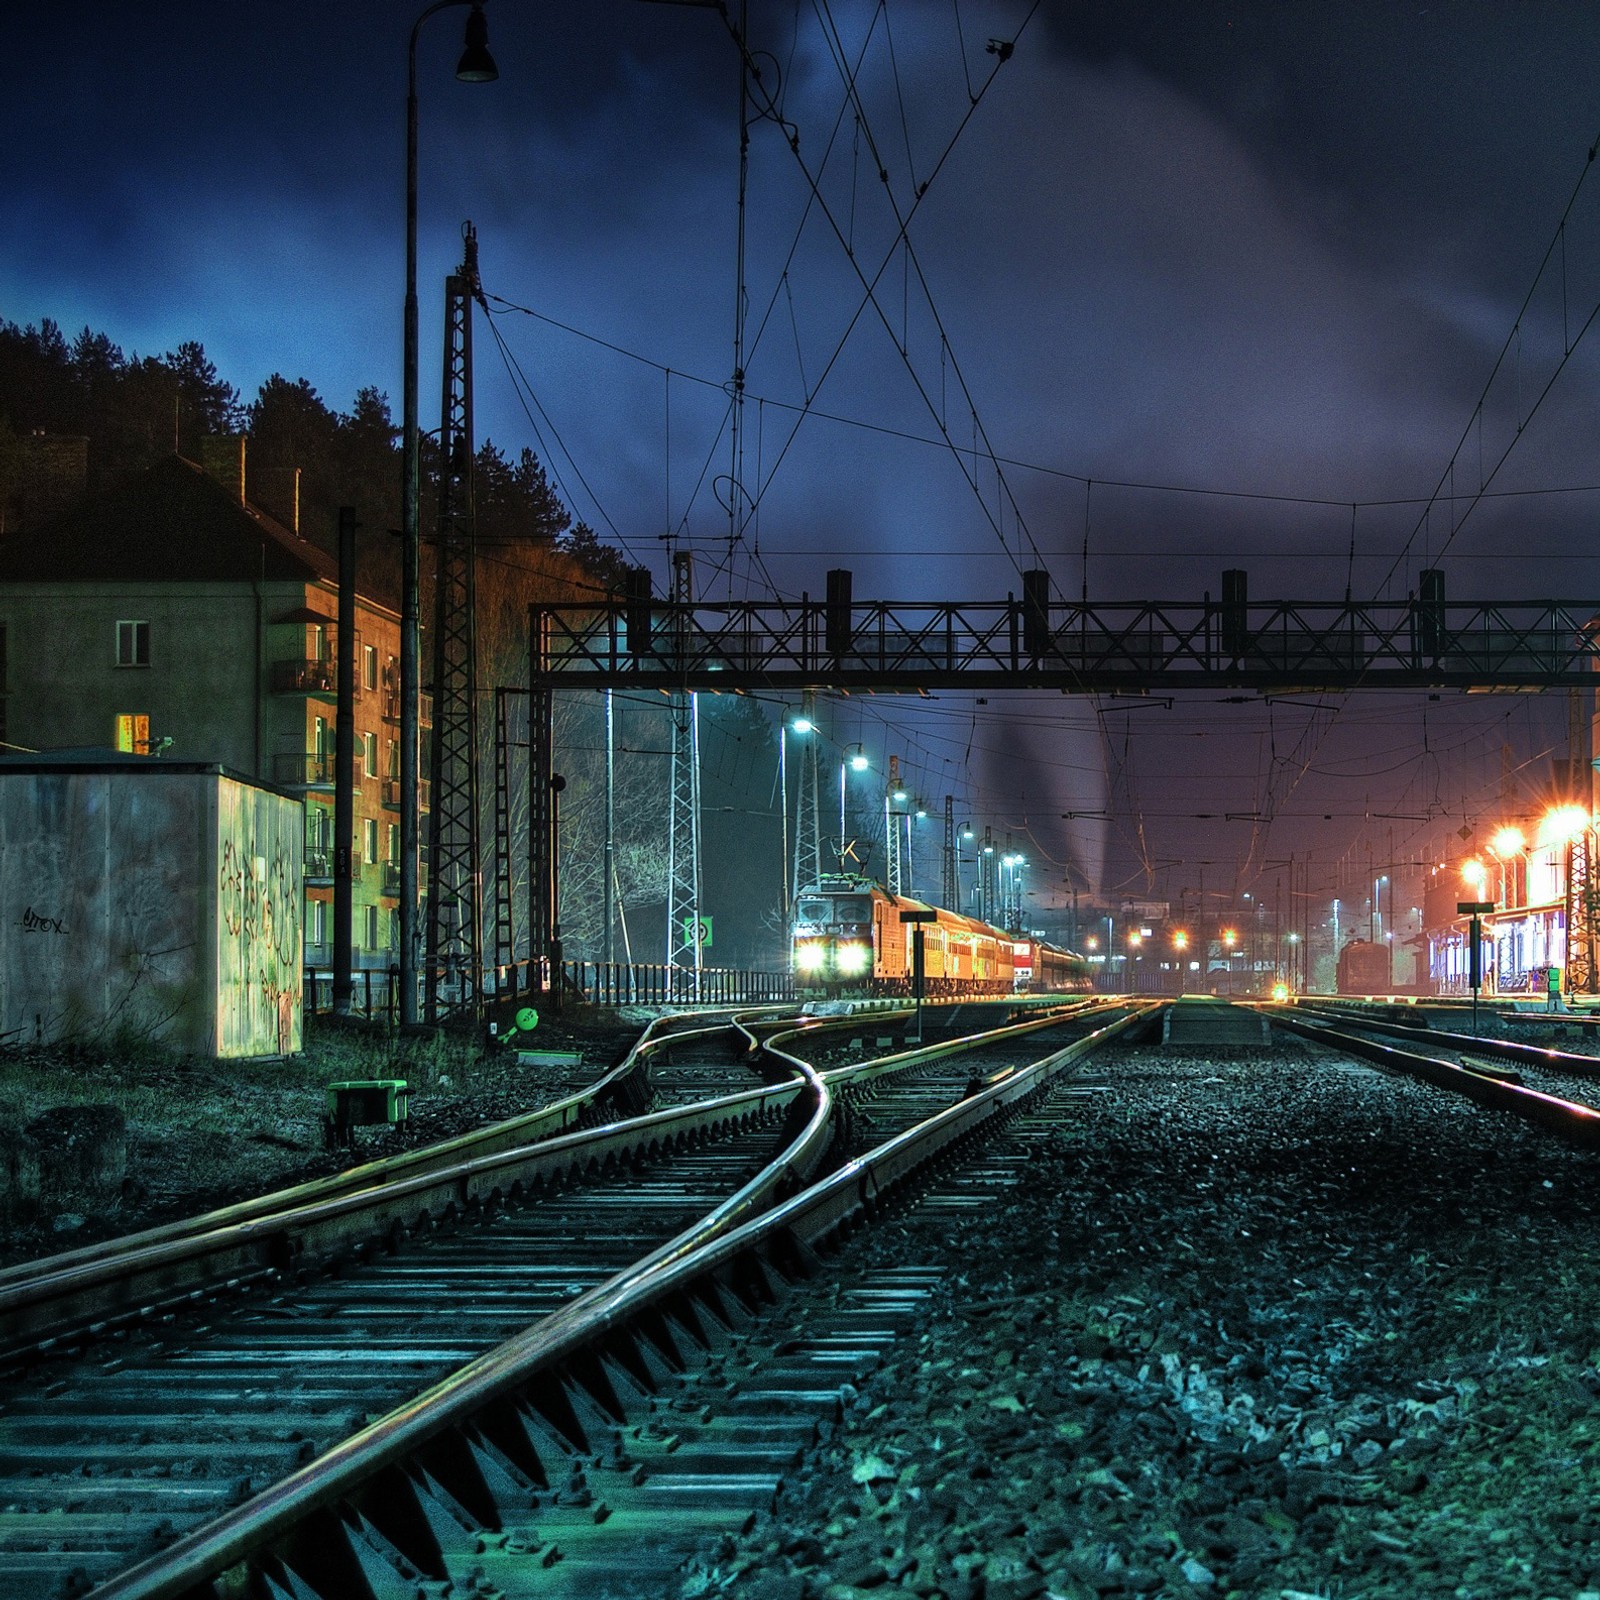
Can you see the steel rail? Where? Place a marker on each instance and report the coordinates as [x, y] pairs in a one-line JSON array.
[[1533, 1055], [64, 1296], [1570, 1119], [190, 1565], [560, 1116], [54, 1305]]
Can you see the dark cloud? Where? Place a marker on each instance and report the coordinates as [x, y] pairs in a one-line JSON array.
[[1261, 247]]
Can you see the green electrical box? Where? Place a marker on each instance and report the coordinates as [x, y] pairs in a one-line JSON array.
[[360, 1102]]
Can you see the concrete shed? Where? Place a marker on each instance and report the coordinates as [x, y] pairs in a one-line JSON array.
[[148, 900]]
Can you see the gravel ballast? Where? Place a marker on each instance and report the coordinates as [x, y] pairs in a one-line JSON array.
[[1273, 1326]]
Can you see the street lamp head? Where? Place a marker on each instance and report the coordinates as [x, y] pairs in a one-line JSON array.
[[858, 762], [476, 64], [1508, 841], [801, 725], [898, 796]]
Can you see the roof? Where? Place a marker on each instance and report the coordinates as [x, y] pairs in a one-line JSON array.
[[102, 759], [169, 523]]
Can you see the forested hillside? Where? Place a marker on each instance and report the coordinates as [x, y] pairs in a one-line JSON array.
[[133, 409]]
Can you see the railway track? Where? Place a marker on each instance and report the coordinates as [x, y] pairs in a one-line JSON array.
[[1554, 1089], [149, 1437]]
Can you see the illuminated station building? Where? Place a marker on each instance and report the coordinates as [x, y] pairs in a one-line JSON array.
[[1525, 872]]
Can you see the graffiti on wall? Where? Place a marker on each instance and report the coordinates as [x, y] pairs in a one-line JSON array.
[[258, 921]]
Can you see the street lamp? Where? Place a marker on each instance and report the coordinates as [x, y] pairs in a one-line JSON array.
[[475, 66], [855, 760]]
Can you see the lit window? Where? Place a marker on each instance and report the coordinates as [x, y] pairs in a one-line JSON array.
[[133, 733], [133, 644]]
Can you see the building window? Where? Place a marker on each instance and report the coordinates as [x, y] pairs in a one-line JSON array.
[[133, 644], [369, 840], [369, 666], [392, 844], [372, 928], [316, 923], [133, 733], [369, 754]]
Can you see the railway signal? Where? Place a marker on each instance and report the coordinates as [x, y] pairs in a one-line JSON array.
[[916, 919], [1474, 909]]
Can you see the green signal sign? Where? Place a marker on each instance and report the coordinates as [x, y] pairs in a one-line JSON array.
[[704, 940]]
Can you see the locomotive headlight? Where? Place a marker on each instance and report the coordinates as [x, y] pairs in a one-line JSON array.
[[808, 957], [854, 959]]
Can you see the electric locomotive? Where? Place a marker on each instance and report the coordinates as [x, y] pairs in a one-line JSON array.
[[847, 937]]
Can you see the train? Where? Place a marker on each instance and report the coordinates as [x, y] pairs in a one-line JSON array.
[[1365, 968], [847, 937]]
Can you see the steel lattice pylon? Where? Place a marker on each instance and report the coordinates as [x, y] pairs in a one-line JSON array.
[[893, 876], [1581, 916], [453, 970], [950, 883], [510, 708], [807, 818], [683, 846]]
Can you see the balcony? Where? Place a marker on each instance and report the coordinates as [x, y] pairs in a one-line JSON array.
[[391, 794], [391, 880], [294, 770], [310, 772], [391, 706], [318, 865], [317, 680]]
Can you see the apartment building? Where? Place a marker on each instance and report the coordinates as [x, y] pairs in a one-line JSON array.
[[172, 616]]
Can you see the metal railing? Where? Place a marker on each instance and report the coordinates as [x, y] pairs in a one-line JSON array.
[[373, 991], [596, 982], [618, 984], [299, 676]]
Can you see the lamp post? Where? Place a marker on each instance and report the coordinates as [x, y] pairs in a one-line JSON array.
[[855, 760], [475, 66]]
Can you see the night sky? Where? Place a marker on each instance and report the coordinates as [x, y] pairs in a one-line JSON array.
[[1259, 260]]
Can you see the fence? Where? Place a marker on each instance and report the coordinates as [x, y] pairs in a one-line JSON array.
[[373, 989], [617, 984], [372, 992]]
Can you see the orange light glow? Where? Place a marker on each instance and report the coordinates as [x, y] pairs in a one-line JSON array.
[[1563, 824], [1509, 842]]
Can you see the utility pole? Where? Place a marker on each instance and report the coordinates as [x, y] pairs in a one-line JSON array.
[[950, 885], [683, 847], [455, 882], [344, 760]]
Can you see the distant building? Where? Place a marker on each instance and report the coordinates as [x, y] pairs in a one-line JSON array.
[[170, 616]]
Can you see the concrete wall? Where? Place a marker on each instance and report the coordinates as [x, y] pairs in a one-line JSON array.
[[152, 906]]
